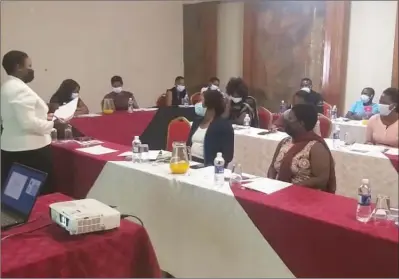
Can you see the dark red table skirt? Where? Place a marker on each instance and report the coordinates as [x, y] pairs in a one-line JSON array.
[[316, 234], [40, 250], [119, 127], [75, 172]]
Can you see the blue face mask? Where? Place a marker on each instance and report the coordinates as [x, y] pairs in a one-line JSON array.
[[199, 109]]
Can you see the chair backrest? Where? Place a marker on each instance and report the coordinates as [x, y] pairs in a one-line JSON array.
[[196, 98], [325, 126], [161, 101], [265, 118], [326, 108], [178, 130], [275, 116], [251, 101]]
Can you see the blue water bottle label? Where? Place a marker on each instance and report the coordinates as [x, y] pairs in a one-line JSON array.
[[219, 169], [364, 200]]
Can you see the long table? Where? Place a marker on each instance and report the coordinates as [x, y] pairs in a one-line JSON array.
[[255, 153], [41, 249], [200, 231]]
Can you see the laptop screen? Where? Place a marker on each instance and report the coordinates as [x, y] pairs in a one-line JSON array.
[[22, 188]]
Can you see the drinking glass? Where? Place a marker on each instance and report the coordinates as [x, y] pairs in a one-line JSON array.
[[54, 136], [236, 176], [68, 136], [382, 209], [144, 152], [108, 106]]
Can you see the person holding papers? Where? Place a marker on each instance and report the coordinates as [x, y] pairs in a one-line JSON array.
[[68, 90], [27, 127]]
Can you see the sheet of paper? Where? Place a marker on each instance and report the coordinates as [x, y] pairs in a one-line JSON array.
[[97, 150], [393, 151], [267, 186], [152, 154], [367, 148], [89, 115], [66, 111]]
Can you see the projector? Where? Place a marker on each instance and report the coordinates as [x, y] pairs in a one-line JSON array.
[[84, 216]]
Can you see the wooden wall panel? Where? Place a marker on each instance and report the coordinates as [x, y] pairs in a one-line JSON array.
[[336, 52], [200, 43], [395, 66], [285, 41]]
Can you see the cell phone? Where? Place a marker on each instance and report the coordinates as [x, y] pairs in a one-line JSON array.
[[196, 167]]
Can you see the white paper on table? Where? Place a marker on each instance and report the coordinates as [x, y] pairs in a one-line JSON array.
[[88, 115], [97, 150], [366, 148], [152, 154], [267, 186], [392, 151], [66, 111]]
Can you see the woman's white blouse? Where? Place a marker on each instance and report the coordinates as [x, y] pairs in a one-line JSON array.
[[24, 117], [197, 146]]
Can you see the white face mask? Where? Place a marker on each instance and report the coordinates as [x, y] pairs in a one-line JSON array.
[[74, 95], [117, 89], [384, 109], [365, 98], [306, 89], [236, 100], [214, 87], [180, 88]]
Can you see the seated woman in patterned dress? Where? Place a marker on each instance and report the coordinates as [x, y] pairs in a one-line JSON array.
[[303, 158]]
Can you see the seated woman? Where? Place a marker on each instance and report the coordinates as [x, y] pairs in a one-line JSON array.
[[363, 108], [237, 107], [210, 132], [119, 96], [383, 128], [300, 97], [303, 158], [68, 90]]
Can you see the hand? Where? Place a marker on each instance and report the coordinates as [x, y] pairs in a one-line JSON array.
[[50, 116]]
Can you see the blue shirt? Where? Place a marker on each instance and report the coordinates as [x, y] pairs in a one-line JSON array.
[[358, 108]]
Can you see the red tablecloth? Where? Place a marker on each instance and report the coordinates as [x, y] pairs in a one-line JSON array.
[[40, 250], [316, 234], [394, 161], [119, 127], [75, 172]]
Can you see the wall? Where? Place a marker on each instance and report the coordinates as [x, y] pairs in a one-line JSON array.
[[90, 41], [371, 41]]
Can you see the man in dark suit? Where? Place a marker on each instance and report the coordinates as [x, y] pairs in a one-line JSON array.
[[314, 97]]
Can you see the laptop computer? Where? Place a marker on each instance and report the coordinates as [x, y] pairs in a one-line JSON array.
[[19, 196]]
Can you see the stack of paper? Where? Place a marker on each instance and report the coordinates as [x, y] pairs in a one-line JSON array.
[[96, 150], [66, 111]]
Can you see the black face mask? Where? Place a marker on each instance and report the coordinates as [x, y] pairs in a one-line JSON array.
[[30, 75]]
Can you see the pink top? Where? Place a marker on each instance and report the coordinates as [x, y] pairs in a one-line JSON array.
[[378, 133]]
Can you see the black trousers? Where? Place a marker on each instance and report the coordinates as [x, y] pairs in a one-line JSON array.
[[40, 159]]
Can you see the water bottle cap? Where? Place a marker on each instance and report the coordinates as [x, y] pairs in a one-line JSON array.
[[219, 154], [365, 181], [247, 115], [136, 137]]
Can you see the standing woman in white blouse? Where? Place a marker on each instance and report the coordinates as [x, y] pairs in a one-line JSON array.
[[26, 125]]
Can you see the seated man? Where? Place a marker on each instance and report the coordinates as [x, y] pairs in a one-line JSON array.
[[119, 96], [176, 95], [314, 98], [365, 107], [213, 84]]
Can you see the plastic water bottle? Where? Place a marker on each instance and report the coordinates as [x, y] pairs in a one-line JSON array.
[[219, 169], [336, 137], [130, 105], [247, 122], [186, 102], [334, 113], [136, 150], [282, 106], [363, 211]]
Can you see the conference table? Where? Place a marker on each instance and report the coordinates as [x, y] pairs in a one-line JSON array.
[[254, 152], [270, 229], [354, 129], [41, 249]]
